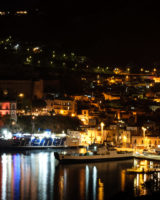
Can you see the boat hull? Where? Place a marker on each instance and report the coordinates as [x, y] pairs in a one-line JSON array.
[[89, 159]]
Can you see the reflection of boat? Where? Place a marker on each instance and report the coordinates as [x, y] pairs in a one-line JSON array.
[[102, 154], [142, 170]]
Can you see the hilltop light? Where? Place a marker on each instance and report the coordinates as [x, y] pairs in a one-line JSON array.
[[21, 12], [2, 13], [16, 47], [128, 69]]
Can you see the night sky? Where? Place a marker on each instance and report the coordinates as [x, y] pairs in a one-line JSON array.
[[127, 32]]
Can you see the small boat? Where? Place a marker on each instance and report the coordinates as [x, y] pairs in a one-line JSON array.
[[102, 154], [150, 152]]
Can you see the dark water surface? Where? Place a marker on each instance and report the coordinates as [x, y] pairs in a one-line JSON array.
[[37, 175]]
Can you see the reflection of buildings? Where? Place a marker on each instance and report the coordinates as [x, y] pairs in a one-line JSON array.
[[85, 177], [140, 179], [23, 177]]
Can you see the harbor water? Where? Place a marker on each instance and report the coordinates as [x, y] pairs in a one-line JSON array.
[[38, 175]]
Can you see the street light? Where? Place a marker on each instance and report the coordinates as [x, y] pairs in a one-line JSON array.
[[144, 131], [102, 125], [33, 124], [144, 135]]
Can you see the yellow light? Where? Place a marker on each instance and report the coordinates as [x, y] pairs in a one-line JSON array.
[[102, 124], [124, 138], [73, 115], [128, 69], [23, 12], [62, 112], [35, 49], [2, 13], [21, 95]]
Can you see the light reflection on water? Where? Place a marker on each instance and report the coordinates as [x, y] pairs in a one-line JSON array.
[[37, 175], [27, 176]]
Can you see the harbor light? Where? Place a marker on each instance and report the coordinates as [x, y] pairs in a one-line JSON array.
[[47, 133], [6, 134]]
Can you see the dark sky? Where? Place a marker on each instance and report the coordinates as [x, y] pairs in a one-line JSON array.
[[114, 32]]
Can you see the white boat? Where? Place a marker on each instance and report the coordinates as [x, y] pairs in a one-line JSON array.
[[12, 145], [101, 155]]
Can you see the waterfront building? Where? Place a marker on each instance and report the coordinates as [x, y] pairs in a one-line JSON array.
[[145, 142], [8, 108]]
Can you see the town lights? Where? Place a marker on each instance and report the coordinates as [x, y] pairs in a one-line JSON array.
[[21, 95], [124, 139]]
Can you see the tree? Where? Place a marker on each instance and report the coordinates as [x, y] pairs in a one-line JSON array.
[[38, 103]]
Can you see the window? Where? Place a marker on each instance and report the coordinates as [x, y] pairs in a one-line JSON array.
[[13, 107]]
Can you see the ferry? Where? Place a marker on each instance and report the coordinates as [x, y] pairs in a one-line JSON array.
[[36, 141], [102, 154]]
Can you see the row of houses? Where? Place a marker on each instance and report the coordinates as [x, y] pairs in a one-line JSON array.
[[110, 136]]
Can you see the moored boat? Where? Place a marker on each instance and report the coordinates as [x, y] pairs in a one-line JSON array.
[[99, 156]]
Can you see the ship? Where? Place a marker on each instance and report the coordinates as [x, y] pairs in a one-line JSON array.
[[102, 154]]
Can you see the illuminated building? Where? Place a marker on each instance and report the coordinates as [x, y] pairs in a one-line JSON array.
[[141, 141], [8, 108], [62, 106]]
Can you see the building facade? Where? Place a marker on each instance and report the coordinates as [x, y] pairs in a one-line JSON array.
[[62, 106], [8, 108]]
